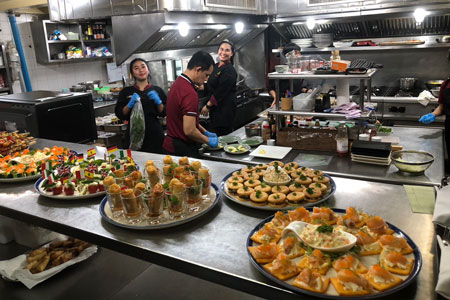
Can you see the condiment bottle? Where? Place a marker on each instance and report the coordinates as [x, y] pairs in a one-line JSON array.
[[265, 131], [342, 139]]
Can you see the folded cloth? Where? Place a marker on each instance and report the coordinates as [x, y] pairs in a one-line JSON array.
[[425, 97], [351, 110], [443, 284], [441, 214]]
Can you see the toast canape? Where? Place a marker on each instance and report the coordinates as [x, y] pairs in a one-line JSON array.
[[236, 179], [280, 221], [233, 187], [267, 234], [381, 279], [252, 183], [315, 261], [241, 173], [311, 281], [353, 218], [299, 214], [369, 245], [323, 215], [349, 283], [259, 198], [396, 262], [297, 187], [264, 187], [305, 180], [322, 187], [349, 262], [264, 253], [277, 200], [280, 189], [295, 197], [322, 179], [291, 246], [312, 194], [397, 244], [244, 193], [378, 227], [282, 267]]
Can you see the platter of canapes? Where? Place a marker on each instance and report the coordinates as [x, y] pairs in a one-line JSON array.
[[360, 255], [164, 195], [277, 186]]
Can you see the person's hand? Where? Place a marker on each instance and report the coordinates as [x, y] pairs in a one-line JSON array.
[[153, 95], [428, 118], [205, 111], [210, 134], [213, 142], [133, 100]]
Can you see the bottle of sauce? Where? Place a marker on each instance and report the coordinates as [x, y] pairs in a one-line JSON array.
[[265, 131], [342, 139]]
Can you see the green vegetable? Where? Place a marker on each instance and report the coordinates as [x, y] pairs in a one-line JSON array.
[[325, 229]]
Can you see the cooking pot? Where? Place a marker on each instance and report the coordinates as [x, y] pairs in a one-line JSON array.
[[433, 84], [407, 83]]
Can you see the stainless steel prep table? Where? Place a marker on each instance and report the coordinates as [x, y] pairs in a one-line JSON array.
[[411, 138], [213, 246]]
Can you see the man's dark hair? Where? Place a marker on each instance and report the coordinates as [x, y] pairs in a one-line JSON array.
[[200, 59], [289, 47]]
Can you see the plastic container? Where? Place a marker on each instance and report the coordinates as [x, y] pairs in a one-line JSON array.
[[342, 139], [364, 137], [305, 101], [265, 131]]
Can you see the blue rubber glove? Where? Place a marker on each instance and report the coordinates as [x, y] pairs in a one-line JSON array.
[[213, 142], [210, 134], [428, 118], [133, 100], [155, 97]]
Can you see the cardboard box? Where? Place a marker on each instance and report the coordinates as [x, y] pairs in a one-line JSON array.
[[340, 65], [316, 139]]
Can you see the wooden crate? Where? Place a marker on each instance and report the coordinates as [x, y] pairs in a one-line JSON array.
[[316, 139]]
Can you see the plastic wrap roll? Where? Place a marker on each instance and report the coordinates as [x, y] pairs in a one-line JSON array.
[[342, 91]]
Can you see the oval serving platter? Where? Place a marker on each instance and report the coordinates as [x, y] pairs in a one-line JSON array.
[[21, 179], [408, 280], [105, 212], [224, 191], [37, 187]]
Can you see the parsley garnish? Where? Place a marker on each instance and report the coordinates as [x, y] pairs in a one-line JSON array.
[[325, 229]]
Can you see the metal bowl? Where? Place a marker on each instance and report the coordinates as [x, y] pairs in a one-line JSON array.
[[412, 162], [252, 130]]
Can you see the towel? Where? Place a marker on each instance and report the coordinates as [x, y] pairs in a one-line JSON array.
[[441, 214], [425, 97], [443, 284]]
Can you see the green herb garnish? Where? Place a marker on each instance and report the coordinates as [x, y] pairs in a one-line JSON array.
[[325, 229], [258, 194]]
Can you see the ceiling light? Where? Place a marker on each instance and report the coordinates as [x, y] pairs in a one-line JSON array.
[[419, 14], [310, 23], [239, 27], [219, 26], [183, 28]]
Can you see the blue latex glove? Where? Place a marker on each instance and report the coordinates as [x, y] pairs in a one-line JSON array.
[[210, 134], [213, 142], [155, 97], [133, 100], [428, 118]]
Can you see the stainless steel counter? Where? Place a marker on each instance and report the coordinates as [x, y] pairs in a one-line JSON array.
[[213, 246], [411, 138]]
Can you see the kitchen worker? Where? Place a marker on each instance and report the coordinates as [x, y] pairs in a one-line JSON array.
[[184, 133], [284, 83], [221, 88], [153, 101], [442, 109]]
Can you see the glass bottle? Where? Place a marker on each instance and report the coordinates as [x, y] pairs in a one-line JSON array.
[[342, 139]]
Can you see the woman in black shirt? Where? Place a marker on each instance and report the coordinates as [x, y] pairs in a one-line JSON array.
[[153, 100]]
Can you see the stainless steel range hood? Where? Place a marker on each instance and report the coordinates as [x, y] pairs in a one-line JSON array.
[[158, 32]]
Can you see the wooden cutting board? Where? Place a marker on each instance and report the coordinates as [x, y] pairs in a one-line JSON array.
[[396, 43]]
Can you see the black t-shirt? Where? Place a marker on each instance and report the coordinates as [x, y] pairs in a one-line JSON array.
[[154, 134]]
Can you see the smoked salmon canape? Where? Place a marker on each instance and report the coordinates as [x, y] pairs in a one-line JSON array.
[[280, 221], [311, 281], [368, 244], [353, 218], [392, 243], [377, 226], [300, 214], [282, 267], [349, 283], [396, 262], [323, 215], [264, 253], [315, 261], [291, 245], [349, 262], [381, 279], [267, 234]]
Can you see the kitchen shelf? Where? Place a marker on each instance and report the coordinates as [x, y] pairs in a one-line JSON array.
[[63, 42], [376, 48], [97, 41], [364, 115], [310, 75], [80, 59]]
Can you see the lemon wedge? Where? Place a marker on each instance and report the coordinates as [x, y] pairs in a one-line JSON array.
[[262, 151]]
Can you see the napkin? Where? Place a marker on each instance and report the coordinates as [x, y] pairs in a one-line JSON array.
[[441, 214], [443, 284], [13, 269], [421, 198], [425, 97]]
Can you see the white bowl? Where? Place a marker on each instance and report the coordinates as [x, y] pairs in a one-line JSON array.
[[281, 68], [274, 183], [298, 226]]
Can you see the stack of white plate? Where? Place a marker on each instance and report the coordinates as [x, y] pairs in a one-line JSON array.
[[382, 161], [343, 43], [322, 40], [302, 43]]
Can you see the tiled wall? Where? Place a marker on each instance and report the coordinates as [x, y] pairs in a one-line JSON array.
[[50, 76]]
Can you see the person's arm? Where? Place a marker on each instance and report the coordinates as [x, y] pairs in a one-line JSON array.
[[274, 96], [121, 110], [439, 111], [192, 132]]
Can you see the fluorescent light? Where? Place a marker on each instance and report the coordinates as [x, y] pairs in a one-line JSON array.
[[310, 23], [183, 28], [322, 21], [419, 14], [219, 26], [239, 27], [298, 23]]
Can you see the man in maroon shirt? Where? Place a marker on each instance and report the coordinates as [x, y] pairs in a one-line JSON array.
[[184, 133]]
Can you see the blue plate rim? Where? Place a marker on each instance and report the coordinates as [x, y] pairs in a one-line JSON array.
[[101, 209], [414, 272], [270, 208]]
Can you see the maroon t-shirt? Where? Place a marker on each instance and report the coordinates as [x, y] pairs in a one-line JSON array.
[[182, 101], [445, 85]]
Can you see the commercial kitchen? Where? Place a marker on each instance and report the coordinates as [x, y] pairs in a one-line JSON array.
[[370, 70]]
